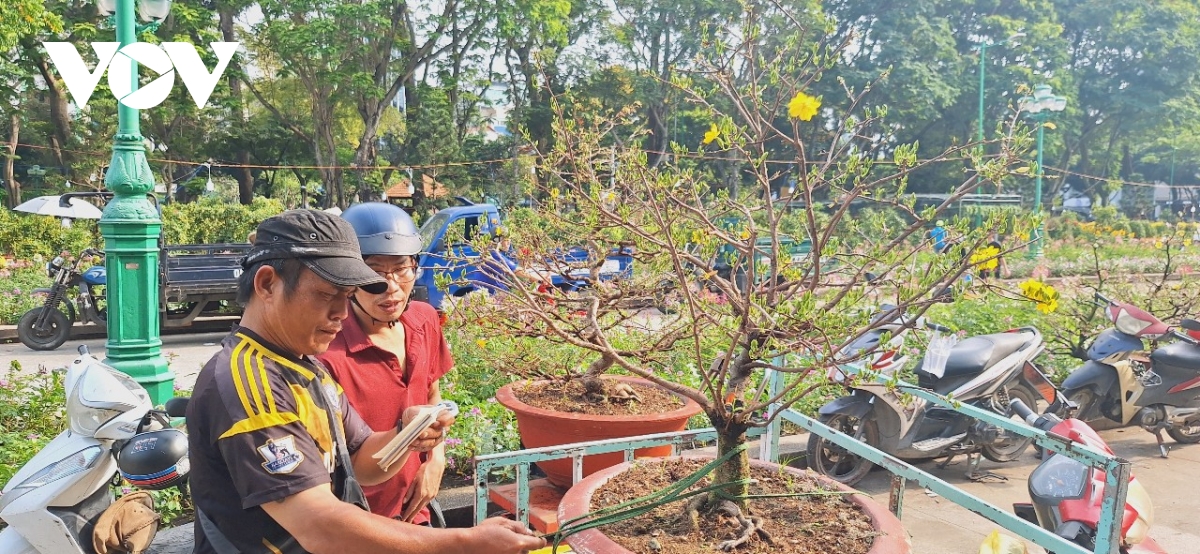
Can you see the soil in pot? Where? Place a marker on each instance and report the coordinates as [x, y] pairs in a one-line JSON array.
[[574, 397], [798, 525], [551, 413]]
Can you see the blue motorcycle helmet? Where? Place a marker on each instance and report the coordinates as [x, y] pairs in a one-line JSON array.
[[384, 229]]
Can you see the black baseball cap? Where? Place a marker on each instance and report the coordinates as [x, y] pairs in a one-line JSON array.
[[324, 242]]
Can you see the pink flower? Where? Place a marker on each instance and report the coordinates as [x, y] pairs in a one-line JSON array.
[[475, 411], [4, 384], [453, 442]]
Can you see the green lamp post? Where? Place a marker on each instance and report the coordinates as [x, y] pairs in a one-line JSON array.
[[1040, 107], [983, 46], [131, 228]]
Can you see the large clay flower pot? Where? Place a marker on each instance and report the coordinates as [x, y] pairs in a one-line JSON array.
[[540, 427], [577, 502]]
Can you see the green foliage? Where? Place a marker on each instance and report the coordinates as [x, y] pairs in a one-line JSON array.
[[212, 220], [169, 503], [16, 283], [32, 412], [26, 236]]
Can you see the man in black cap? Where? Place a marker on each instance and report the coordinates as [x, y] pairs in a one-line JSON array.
[[277, 452]]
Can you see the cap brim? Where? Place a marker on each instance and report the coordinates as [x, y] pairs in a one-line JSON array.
[[347, 272]]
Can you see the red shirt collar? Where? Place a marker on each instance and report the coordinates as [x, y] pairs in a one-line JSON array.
[[356, 339]]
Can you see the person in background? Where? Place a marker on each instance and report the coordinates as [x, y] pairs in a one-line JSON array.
[[391, 353], [938, 236], [276, 450], [994, 268]]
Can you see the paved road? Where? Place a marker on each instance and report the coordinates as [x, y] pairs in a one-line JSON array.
[[938, 526], [185, 354]]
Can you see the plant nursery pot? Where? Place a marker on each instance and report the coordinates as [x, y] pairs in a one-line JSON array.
[[892, 538], [540, 427]]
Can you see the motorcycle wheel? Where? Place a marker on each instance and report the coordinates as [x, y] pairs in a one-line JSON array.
[[58, 328], [1087, 401], [1186, 435], [835, 462], [1014, 448]]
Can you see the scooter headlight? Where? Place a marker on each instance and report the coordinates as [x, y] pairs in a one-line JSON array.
[[1058, 478], [75, 463]]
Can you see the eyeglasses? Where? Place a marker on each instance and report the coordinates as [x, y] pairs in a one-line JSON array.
[[400, 275]]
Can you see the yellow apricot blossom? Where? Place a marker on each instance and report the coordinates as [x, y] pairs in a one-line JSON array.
[[803, 106], [1044, 295], [712, 134]]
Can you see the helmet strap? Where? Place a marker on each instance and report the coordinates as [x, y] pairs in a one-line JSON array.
[[392, 323]]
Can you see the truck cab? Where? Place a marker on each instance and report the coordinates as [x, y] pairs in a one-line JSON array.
[[450, 237]]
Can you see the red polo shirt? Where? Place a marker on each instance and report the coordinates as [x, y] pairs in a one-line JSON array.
[[380, 387]]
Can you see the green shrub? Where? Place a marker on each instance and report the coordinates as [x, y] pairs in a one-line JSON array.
[[15, 284], [32, 412], [25, 235], [211, 220]]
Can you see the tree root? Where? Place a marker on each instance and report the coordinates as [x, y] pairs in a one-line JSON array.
[[691, 514], [750, 526]]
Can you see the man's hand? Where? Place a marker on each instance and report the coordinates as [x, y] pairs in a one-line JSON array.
[[431, 437], [423, 488], [505, 536]]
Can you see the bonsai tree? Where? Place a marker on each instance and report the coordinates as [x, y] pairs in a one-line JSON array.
[[751, 251]]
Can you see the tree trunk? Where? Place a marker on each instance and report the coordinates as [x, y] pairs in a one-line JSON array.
[[60, 113], [243, 175], [729, 437], [10, 182]]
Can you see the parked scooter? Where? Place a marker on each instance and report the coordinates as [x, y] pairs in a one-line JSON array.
[[47, 327], [986, 371], [1068, 495], [54, 500], [1159, 392]]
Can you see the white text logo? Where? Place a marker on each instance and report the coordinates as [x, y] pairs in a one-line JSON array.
[[170, 58]]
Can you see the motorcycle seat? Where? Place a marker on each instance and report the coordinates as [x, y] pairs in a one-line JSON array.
[[95, 275], [975, 354]]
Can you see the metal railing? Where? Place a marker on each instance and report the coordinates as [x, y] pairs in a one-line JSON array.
[[1117, 470]]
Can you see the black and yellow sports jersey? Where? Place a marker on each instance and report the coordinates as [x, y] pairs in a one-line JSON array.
[[258, 432]]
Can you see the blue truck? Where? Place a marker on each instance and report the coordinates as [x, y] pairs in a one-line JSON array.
[[451, 256]]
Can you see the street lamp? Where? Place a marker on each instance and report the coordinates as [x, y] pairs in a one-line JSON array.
[[1040, 107], [983, 46], [131, 227]]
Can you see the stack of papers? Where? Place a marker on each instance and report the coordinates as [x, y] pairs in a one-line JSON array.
[[395, 448]]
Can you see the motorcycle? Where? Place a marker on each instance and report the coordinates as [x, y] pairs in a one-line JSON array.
[[46, 327], [52, 503], [986, 371], [1159, 392], [1068, 495]]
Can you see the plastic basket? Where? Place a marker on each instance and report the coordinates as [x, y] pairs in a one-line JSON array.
[[938, 354]]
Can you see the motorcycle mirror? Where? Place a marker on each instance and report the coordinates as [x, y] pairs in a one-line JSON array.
[[177, 407], [83, 350], [935, 327], [1190, 324]]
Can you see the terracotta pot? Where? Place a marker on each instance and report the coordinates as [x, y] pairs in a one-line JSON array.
[[578, 500], [540, 427]]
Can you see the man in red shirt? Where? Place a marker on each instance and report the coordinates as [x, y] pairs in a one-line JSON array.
[[390, 354]]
